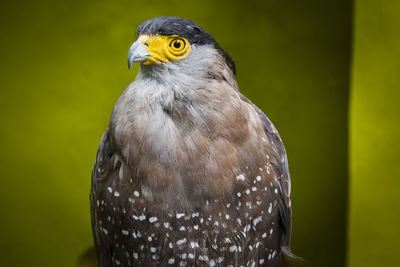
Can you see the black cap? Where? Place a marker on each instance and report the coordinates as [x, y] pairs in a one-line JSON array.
[[185, 28]]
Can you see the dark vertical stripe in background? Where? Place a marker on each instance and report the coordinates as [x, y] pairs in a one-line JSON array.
[[293, 61], [63, 65]]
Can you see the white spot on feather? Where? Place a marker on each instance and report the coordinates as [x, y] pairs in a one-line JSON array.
[[181, 241], [194, 244], [240, 177], [264, 235], [124, 232], [257, 220], [153, 219], [233, 248]]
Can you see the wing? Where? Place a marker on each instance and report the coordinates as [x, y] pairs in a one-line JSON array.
[[280, 165], [102, 170]]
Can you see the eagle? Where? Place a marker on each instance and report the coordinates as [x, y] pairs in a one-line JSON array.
[[189, 171]]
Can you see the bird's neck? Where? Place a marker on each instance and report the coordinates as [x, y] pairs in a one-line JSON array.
[[166, 105], [171, 90]]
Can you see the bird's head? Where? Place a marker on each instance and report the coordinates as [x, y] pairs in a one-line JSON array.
[[164, 41]]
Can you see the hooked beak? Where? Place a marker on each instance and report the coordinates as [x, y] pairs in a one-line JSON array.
[[137, 53]]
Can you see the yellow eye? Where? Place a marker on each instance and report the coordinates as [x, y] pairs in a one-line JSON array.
[[178, 46]]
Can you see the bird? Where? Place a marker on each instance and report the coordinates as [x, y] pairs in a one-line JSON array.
[[189, 171]]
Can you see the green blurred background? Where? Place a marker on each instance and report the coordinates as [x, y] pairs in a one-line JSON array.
[[63, 65]]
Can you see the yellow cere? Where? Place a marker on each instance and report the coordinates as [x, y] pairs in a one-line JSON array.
[[165, 48]]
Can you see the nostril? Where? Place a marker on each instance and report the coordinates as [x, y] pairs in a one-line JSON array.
[[146, 44]]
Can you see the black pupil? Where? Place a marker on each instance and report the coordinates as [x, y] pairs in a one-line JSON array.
[[177, 44]]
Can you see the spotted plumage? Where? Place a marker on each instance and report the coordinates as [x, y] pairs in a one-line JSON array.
[[189, 171]]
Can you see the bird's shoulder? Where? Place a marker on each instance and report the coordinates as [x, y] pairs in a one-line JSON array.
[[279, 162]]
